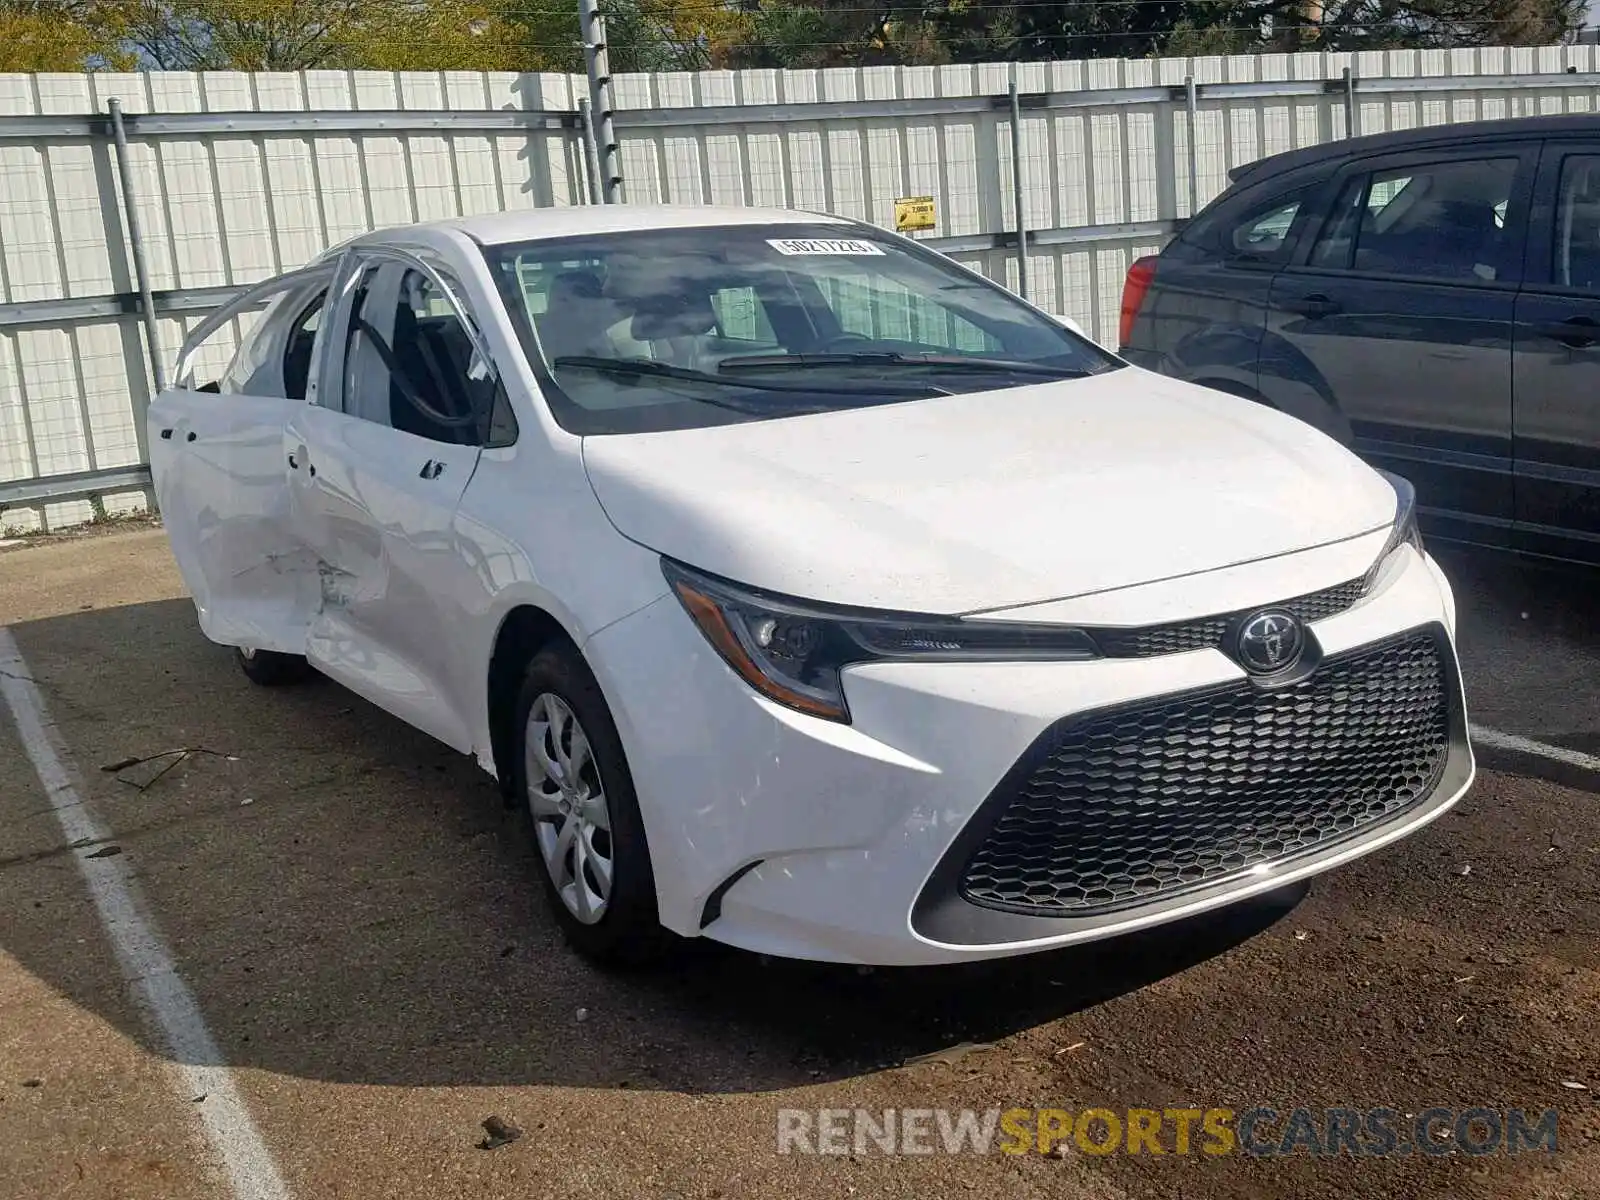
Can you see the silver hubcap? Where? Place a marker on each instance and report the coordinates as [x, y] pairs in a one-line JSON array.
[[571, 819]]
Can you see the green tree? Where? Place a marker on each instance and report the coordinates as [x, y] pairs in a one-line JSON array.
[[806, 33], [60, 35], [294, 35]]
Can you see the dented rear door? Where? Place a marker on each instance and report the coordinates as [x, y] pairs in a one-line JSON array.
[[218, 472]]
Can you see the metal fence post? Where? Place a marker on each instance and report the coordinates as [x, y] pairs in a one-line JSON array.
[[1352, 119], [597, 60], [591, 151], [1191, 96], [130, 208], [1016, 187]]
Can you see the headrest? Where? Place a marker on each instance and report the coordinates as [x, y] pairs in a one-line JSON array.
[[576, 285], [673, 316]]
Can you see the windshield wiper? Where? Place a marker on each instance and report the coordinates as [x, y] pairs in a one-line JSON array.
[[893, 358], [646, 367]]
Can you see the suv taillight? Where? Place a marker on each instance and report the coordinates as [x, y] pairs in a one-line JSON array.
[[1140, 276]]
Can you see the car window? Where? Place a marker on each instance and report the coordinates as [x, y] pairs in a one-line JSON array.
[[1333, 247], [1577, 241], [1262, 233], [363, 385], [302, 340], [872, 307], [235, 348], [1441, 220], [722, 324], [741, 317], [251, 370], [483, 387], [410, 363]]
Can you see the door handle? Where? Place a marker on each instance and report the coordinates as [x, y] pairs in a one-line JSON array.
[[1316, 305], [1574, 333], [431, 469]]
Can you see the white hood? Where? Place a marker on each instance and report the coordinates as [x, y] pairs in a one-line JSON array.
[[989, 500]]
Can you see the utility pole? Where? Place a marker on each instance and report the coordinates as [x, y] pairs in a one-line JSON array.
[[592, 28]]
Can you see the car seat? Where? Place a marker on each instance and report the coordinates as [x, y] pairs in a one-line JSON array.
[[421, 356], [678, 328], [576, 317]]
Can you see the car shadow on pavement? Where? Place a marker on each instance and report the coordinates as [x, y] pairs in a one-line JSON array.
[[351, 901], [836, 1020]]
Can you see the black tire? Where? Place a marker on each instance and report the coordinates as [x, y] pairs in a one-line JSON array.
[[271, 669], [629, 930]]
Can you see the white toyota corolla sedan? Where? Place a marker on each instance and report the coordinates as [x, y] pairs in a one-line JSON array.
[[814, 593]]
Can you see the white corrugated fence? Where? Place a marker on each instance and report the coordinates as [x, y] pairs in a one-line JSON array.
[[240, 176]]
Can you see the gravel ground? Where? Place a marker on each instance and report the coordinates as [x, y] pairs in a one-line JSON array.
[[354, 910]]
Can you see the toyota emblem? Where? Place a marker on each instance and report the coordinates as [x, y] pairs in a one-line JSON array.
[[1270, 641]]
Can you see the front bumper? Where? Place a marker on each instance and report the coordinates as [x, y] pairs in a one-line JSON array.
[[787, 835]]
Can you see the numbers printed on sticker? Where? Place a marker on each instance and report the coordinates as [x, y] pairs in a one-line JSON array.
[[822, 246]]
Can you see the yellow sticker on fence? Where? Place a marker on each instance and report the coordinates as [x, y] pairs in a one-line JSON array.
[[912, 213]]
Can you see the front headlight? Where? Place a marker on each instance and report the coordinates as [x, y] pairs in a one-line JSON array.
[[792, 651], [1406, 531]]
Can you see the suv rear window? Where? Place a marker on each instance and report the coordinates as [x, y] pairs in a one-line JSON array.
[[1263, 233], [1253, 225]]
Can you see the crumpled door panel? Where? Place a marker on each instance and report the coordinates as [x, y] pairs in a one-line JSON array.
[[218, 471]]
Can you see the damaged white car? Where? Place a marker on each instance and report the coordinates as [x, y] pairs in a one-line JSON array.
[[814, 593]]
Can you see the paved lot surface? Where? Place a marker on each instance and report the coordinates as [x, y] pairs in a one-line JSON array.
[[353, 908]]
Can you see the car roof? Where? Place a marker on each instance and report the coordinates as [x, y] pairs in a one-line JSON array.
[[523, 225], [1405, 139]]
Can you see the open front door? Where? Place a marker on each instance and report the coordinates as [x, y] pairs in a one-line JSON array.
[[216, 459]]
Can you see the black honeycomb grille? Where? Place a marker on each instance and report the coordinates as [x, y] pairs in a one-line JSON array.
[[1143, 803], [1209, 632]]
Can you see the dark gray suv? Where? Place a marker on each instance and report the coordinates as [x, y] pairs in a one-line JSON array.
[[1430, 297]]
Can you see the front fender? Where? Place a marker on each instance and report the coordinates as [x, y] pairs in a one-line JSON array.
[[532, 534]]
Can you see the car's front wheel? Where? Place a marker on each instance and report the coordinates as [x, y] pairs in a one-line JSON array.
[[569, 765], [271, 669]]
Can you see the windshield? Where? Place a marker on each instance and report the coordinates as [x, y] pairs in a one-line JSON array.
[[679, 328]]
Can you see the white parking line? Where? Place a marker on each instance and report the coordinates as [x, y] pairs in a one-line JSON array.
[[1497, 740], [198, 1066]]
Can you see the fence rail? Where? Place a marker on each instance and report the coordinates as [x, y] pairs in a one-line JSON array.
[[230, 178]]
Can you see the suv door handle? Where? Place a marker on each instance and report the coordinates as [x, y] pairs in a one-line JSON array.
[[1574, 333], [1316, 305]]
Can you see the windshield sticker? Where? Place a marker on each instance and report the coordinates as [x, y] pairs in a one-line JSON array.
[[822, 246]]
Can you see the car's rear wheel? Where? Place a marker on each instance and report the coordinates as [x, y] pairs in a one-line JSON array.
[[569, 765], [271, 669]]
